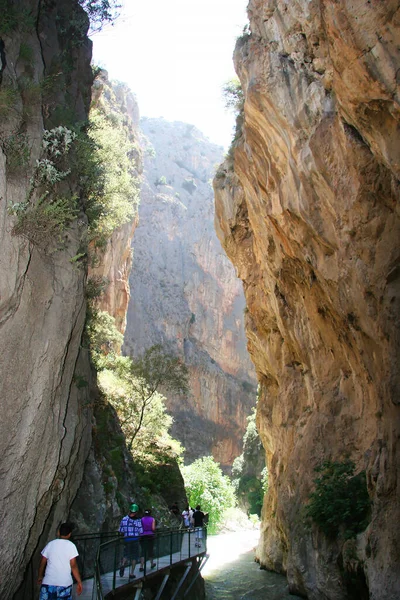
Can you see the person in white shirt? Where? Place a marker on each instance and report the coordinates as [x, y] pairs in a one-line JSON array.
[[57, 562]]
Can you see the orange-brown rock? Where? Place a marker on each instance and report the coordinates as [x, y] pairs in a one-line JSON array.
[[114, 262], [185, 293], [307, 210]]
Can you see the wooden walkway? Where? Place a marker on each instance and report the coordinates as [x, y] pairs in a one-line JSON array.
[[162, 563]]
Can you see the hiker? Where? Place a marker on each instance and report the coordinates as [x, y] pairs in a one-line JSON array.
[[187, 516], [131, 527], [198, 521], [57, 562], [147, 537]]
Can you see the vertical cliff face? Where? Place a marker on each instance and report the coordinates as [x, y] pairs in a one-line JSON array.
[[307, 210], [185, 292], [114, 262], [45, 424], [109, 484]]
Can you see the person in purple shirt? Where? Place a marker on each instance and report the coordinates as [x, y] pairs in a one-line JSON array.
[[147, 537]]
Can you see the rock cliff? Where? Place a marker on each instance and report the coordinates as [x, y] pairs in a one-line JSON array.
[[114, 262], [46, 417], [307, 210], [185, 293]]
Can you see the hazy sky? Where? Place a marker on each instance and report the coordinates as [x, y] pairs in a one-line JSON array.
[[175, 55]]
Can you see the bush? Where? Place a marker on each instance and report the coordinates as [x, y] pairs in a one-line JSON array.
[[17, 150], [206, 485], [100, 12], [233, 95], [112, 189], [14, 17], [340, 499], [8, 99], [44, 223]]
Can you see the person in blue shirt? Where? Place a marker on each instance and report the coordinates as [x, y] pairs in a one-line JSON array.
[[131, 527]]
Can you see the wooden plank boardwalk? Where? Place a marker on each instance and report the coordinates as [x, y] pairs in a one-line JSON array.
[[188, 550]]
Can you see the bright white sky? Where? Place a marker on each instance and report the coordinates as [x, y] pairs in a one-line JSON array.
[[175, 55]]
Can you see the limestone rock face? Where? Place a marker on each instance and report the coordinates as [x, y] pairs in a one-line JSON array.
[[307, 210], [115, 261], [185, 293], [45, 418]]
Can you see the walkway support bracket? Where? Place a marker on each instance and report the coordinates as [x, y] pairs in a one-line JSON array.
[[162, 586], [203, 561], [188, 566]]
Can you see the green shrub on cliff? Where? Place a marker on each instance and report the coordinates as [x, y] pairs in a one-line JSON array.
[[206, 485], [113, 190], [233, 95], [340, 499], [132, 385], [250, 476]]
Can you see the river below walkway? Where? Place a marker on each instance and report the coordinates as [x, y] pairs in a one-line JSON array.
[[232, 574]]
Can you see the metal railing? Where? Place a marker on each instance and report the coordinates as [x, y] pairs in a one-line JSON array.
[[88, 545], [167, 548]]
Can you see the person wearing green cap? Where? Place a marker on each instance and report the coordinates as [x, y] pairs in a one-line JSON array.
[[131, 527]]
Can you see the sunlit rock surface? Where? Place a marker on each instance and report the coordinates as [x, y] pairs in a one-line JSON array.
[[307, 210], [185, 293], [114, 262], [45, 425]]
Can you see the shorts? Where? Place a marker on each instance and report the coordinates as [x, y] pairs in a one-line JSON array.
[[132, 550], [55, 592], [147, 544], [199, 532]]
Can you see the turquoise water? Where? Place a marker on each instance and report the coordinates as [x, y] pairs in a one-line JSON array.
[[232, 574]]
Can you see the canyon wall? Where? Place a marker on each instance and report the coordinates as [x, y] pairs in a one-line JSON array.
[[114, 262], [185, 293], [45, 428], [307, 209]]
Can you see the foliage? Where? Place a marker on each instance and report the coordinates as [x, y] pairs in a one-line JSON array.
[[250, 476], [100, 12], [155, 370], [17, 150], [340, 499], [26, 53], [104, 337], [8, 98], [161, 181], [107, 175], [14, 17], [46, 213], [46, 221], [233, 95], [206, 485], [133, 385], [150, 151]]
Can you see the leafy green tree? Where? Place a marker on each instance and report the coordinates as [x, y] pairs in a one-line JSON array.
[[115, 203], [250, 475], [206, 485], [105, 340], [232, 94], [142, 428], [340, 499], [100, 12], [156, 370]]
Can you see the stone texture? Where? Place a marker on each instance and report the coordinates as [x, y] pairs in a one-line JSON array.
[[185, 293], [45, 427], [114, 262], [307, 210]]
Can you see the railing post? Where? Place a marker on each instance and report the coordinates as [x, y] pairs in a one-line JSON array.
[[116, 551], [170, 548]]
